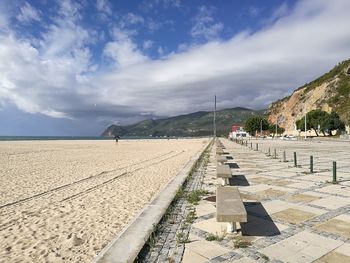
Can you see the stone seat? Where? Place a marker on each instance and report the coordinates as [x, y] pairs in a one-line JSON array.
[[223, 172], [219, 150], [229, 207], [221, 158]]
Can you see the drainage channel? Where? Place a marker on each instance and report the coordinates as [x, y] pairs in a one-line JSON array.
[[167, 242]]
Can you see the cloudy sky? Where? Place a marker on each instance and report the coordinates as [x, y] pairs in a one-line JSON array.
[[75, 67]]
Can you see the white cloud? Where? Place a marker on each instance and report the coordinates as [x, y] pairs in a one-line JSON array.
[[147, 44], [28, 13], [123, 50], [152, 5], [251, 69], [104, 6], [133, 19], [205, 25]]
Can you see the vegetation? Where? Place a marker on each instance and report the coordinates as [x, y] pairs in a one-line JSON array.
[[212, 237], [194, 124], [272, 129], [256, 123], [239, 242], [321, 121], [195, 196], [182, 238]]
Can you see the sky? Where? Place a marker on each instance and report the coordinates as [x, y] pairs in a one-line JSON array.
[[75, 67]]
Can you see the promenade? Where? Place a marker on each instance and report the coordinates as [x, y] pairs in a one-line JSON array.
[[293, 215]]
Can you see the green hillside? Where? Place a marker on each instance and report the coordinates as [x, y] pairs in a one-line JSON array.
[[193, 124]]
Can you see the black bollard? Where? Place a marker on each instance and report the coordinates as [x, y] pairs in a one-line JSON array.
[[334, 172], [311, 164]]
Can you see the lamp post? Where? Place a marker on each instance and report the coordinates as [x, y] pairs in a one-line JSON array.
[[214, 120], [305, 123], [276, 127], [260, 127]]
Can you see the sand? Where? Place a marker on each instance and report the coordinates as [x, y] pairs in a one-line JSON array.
[[65, 200]]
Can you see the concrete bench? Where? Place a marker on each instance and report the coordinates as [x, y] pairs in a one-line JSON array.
[[223, 172], [229, 207], [219, 150], [221, 158]]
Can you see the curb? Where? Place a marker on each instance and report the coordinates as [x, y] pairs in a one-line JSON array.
[[127, 245]]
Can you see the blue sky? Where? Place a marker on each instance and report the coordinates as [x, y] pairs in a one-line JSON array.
[[75, 67]]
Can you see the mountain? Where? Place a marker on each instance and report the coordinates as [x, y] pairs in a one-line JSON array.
[[194, 124], [330, 92]]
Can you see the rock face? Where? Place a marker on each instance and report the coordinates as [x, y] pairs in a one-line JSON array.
[[330, 92]]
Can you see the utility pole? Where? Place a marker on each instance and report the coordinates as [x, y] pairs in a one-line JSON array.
[[260, 127], [276, 127], [305, 122], [215, 117]]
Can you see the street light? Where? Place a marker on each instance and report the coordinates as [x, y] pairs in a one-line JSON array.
[[261, 127], [305, 123], [276, 127]]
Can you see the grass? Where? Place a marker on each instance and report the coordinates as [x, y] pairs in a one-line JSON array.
[[195, 196], [216, 237], [191, 216], [182, 238], [266, 258], [239, 242]]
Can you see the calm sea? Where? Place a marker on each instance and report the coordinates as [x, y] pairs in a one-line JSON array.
[[48, 138], [55, 138]]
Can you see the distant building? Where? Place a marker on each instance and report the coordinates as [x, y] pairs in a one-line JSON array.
[[237, 131]]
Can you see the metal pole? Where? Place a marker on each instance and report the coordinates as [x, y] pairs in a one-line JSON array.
[[305, 123], [215, 117], [334, 172], [276, 129], [260, 127], [275, 154], [311, 164], [269, 152], [257, 147], [251, 145], [295, 159], [284, 156]]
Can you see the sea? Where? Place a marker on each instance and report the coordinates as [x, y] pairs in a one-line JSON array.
[[51, 138], [56, 138]]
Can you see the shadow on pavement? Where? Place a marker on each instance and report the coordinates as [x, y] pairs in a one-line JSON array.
[[259, 222]]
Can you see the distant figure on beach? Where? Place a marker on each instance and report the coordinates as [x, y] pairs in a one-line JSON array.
[[116, 138]]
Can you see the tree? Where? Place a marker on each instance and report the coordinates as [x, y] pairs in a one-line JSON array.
[[320, 121], [255, 123], [334, 123], [272, 129]]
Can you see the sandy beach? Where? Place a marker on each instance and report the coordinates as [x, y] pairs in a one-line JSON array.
[[65, 200]]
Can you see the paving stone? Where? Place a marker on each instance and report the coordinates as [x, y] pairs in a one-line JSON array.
[[302, 247], [333, 257], [335, 226], [302, 198], [332, 202], [293, 216]]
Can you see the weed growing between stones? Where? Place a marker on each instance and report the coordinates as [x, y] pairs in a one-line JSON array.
[[182, 238], [239, 242], [216, 237]]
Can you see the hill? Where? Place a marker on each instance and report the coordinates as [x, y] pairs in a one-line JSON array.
[[330, 92], [193, 124]]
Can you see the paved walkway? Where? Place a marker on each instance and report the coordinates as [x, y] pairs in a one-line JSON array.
[[293, 216]]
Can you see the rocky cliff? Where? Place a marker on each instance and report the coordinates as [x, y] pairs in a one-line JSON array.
[[330, 92]]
